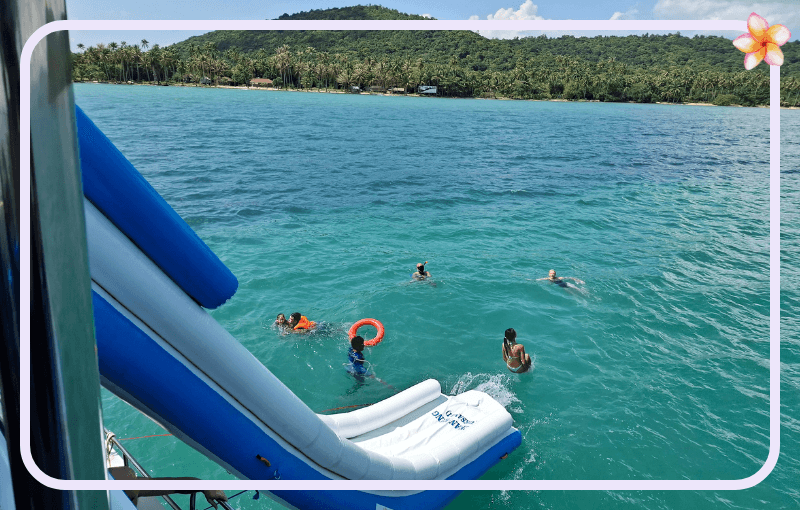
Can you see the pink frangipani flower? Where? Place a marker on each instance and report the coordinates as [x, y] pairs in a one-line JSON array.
[[762, 42]]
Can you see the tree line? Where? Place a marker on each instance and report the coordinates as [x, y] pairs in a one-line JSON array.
[[543, 76], [649, 68]]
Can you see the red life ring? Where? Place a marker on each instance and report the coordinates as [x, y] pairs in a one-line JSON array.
[[372, 322]]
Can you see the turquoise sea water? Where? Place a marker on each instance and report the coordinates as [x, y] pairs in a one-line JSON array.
[[655, 368]]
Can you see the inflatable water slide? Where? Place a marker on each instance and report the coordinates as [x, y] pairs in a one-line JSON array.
[[159, 350]]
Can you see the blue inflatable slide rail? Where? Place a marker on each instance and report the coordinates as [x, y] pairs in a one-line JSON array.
[[119, 191]]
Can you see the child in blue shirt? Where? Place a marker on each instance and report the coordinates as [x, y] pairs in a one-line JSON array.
[[356, 358]]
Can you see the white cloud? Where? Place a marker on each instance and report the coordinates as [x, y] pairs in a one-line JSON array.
[[720, 9], [629, 14], [528, 10], [785, 12]]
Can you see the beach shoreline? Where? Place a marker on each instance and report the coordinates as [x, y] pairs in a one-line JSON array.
[[413, 94]]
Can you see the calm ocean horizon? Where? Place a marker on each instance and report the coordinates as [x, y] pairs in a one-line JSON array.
[[656, 368]]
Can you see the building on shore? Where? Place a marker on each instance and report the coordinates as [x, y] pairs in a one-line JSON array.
[[260, 82]]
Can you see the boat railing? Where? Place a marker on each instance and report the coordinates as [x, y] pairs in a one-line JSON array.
[[129, 461]]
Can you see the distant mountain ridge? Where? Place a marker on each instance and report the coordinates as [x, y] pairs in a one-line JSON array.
[[478, 53], [368, 12]]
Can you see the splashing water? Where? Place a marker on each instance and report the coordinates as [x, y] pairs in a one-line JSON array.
[[496, 386]]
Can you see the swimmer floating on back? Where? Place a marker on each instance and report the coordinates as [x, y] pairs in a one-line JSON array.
[[514, 354], [559, 280]]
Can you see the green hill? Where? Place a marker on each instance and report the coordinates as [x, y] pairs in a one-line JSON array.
[[478, 53], [433, 46], [375, 12]]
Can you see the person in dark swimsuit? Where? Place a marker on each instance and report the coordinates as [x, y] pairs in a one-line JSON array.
[[559, 280], [514, 354]]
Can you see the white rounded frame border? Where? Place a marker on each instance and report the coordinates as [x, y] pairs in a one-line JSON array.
[[417, 485]]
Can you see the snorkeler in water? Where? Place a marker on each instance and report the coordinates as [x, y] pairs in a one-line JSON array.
[[421, 274], [559, 280]]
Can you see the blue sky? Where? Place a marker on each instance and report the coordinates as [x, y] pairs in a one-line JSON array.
[[786, 12]]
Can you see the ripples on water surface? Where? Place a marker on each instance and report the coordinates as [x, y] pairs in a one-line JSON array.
[[655, 368]]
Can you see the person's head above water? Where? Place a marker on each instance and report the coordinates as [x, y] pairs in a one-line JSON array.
[[357, 343], [421, 268], [551, 274], [280, 319], [295, 317], [510, 335]]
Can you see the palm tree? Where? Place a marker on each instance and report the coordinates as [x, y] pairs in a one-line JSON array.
[[146, 62], [181, 68], [346, 75], [113, 57], [261, 63], [792, 84], [322, 69], [101, 58], [211, 52], [155, 53], [174, 58], [405, 70], [89, 59], [381, 71], [337, 65], [136, 57], [283, 61], [210, 49], [304, 75], [149, 58]]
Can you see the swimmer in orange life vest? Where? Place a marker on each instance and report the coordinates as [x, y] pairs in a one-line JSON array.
[[299, 322]]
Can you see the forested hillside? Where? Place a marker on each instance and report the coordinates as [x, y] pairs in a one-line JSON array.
[[647, 68]]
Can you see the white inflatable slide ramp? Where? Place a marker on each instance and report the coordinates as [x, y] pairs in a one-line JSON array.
[[163, 353]]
